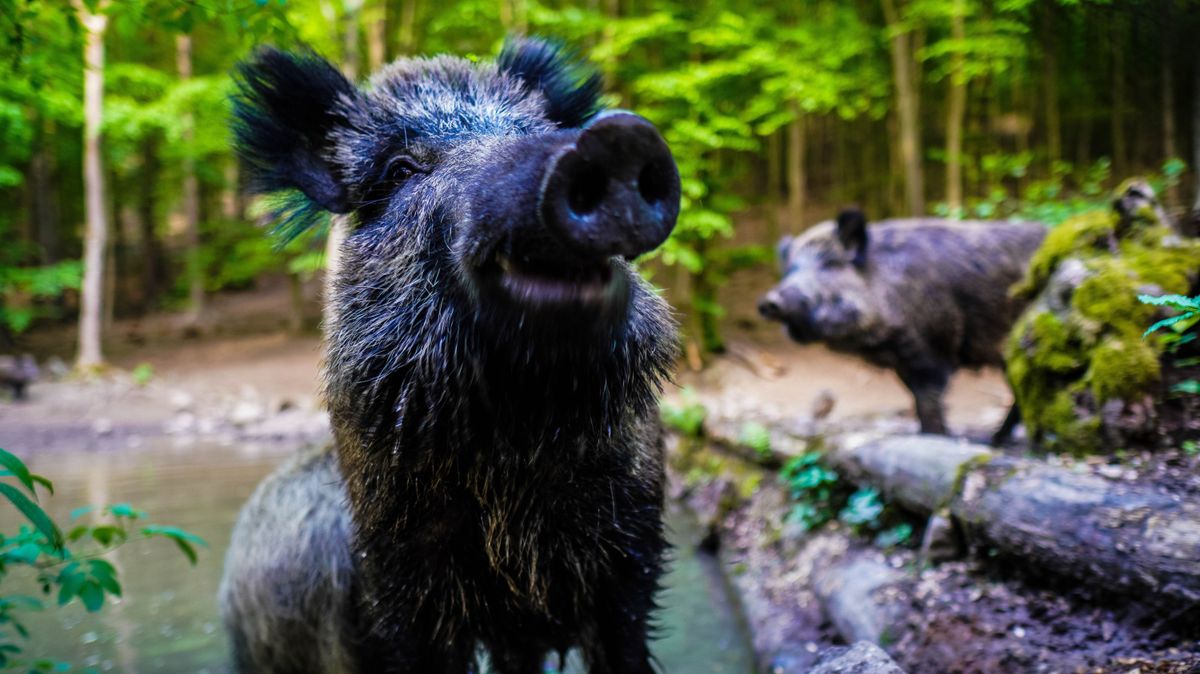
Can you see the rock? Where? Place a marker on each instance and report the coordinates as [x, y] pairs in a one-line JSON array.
[[181, 401], [861, 658], [246, 412]]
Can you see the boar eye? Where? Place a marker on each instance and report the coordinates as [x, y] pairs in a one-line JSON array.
[[400, 168]]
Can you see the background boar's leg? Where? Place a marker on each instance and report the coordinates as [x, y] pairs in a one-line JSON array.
[[1005, 431], [927, 386]]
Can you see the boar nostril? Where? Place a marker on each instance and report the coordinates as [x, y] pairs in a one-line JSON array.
[[769, 308], [587, 188], [653, 182]]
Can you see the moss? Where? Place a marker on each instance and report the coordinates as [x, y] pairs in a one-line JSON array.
[[1064, 365], [1087, 231], [1122, 368]]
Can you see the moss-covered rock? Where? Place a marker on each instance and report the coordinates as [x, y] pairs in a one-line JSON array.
[[1083, 375]]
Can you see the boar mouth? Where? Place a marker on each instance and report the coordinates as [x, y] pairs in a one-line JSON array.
[[542, 283]]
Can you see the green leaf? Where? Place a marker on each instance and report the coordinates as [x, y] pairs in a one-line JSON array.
[[17, 469], [81, 511], [92, 596], [34, 513], [106, 575], [126, 510]]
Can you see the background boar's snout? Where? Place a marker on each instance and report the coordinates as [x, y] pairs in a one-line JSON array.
[[770, 306], [614, 191]]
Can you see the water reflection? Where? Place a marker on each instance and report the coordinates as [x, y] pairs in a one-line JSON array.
[[168, 624]]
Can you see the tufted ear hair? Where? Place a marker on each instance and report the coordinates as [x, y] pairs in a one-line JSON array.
[[284, 110], [570, 85], [852, 233]]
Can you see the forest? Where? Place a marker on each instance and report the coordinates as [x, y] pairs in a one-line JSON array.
[[115, 115], [853, 336]]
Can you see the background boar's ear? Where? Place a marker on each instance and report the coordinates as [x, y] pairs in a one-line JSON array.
[[285, 107], [570, 86], [852, 232], [782, 248]]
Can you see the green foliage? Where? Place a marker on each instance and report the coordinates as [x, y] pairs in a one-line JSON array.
[[820, 496], [142, 374], [687, 417], [756, 437], [26, 293], [67, 566]]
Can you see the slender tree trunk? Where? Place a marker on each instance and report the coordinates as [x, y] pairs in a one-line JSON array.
[[774, 173], [191, 191], [376, 35], [231, 203], [796, 179], [904, 74], [45, 211], [1196, 131], [1119, 143], [957, 111], [152, 265], [407, 38], [1170, 146], [1050, 85], [513, 16], [94, 23], [111, 278]]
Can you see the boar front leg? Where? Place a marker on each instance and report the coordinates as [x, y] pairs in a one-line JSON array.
[[928, 386]]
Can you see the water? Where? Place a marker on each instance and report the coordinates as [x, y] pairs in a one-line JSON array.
[[167, 622]]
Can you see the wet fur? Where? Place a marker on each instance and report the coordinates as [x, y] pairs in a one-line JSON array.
[[500, 468], [925, 297]]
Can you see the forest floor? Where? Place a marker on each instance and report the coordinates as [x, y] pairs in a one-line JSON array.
[[245, 379]]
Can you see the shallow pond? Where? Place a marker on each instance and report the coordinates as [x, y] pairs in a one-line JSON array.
[[167, 622]]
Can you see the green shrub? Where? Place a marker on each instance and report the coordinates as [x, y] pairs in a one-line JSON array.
[[68, 566]]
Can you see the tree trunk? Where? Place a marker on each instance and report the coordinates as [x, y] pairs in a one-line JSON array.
[[45, 210], [191, 192], [1170, 147], [774, 172], [1127, 535], [231, 202], [1119, 145], [904, 74], [407, 38], [151, 249], [1050, 85], [957, 111], [377, 35], [796, 179], [1196, 132], [92, 291]]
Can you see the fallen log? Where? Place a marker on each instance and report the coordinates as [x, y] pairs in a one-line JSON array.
[[862, 596], [1126, 535]]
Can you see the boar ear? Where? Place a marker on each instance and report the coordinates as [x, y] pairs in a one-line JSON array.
[[782, 248], [285, 107], [852, 233], [570, 86]]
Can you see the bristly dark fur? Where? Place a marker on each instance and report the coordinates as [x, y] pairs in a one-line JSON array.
[[501, 463], [571, 88]]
